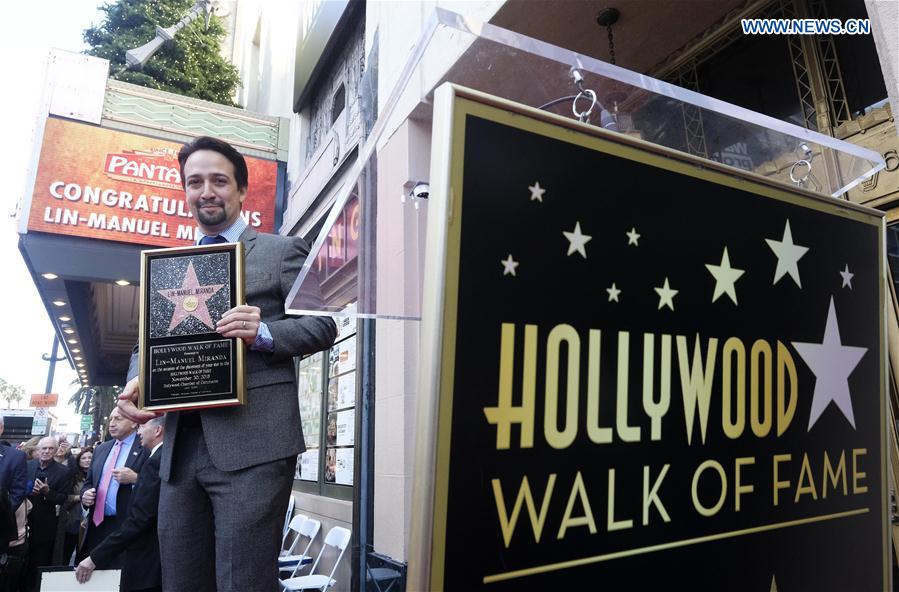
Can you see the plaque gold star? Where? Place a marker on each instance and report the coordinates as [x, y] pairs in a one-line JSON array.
[[190, 299]]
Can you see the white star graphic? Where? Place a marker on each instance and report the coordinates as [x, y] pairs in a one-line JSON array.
[[577, 240], [613, 293], [788, 254], [847, 277], [537, 192], [832, 363], [509, 265], [633, 237], [725, 276], [666, 295]]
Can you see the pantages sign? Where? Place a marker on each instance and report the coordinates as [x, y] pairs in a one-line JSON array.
[[111, 185], [650, 374]]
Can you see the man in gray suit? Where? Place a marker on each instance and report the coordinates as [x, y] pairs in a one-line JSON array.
[[227, 472]]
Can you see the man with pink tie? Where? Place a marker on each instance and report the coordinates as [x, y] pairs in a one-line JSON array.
[[107, 490]]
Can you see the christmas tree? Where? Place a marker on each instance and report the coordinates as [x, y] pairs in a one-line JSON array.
[[191, 65]]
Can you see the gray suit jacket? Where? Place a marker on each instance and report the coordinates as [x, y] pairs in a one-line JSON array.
[[267, 427]]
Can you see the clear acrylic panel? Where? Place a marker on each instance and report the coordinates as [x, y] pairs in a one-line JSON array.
[[384, 277]]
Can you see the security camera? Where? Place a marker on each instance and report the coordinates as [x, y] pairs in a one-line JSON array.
[[421, 190]]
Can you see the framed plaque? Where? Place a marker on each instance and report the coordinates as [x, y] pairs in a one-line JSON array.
[[184, 363]]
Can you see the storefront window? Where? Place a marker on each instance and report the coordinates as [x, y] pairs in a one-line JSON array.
[[327, 398]]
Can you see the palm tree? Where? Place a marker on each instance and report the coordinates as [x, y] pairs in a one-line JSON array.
[[95, 400]]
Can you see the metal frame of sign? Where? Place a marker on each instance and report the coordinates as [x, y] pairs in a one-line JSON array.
[[440, 297], [238, 297]]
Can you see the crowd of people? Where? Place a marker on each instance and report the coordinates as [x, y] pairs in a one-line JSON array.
[[82, 507]]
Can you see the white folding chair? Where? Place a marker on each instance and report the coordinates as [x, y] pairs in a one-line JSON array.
[[293, 526], [337, 538], [291, 561], [290, 505]]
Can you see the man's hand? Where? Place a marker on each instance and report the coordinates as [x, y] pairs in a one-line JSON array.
[[40, 487], [84, 570], [124, 475], [89, 497], [241, 321], [128, 403]]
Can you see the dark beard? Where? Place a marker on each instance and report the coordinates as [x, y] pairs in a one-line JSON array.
[[211, 218]]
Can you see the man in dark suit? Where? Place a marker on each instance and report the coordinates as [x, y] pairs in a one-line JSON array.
[[227, 472], [51, 485], [136, 536], [13, 478], [107, 489]]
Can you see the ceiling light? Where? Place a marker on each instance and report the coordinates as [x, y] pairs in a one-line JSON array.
[[78, 358], [50, 276], [59, 302], [65, 319], [80, 364], [68, 331], [76, 351], [72, 340], [122, 283]]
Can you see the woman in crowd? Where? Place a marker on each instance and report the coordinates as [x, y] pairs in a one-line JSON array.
[[29, 447], [70, 513]]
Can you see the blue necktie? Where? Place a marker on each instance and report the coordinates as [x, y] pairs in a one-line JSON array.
[[213, 240]]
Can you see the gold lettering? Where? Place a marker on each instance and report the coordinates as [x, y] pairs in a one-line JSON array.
[[834, 477], [785, 410], [805, 474], [733, 428], [625, 432], [651, 496], [555, 438], [778, 484], [856, 474], [596, 433], [611, 523], [761, 421], [577, 491], [696, 503], [656, 410], [524, 497], [505, 413], [738, 488], [696, 384]]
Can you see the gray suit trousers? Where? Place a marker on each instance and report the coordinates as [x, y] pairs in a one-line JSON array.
[[219, 531]]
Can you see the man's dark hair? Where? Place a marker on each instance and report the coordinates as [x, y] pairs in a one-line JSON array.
[[223, 148]]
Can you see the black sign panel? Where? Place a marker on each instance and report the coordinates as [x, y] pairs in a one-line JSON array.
[[185, 363], [655, 376]]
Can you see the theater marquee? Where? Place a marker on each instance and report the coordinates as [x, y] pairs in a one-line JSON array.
[[648, 373], [110, 185]]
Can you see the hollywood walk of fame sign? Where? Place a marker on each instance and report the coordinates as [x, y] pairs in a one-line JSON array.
[[644, 371], [185, 363]]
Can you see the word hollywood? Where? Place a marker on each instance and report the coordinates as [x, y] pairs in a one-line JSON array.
[[758, 399]]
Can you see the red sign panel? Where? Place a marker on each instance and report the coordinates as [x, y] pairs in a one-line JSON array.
[[44, 400], [112, 185]]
